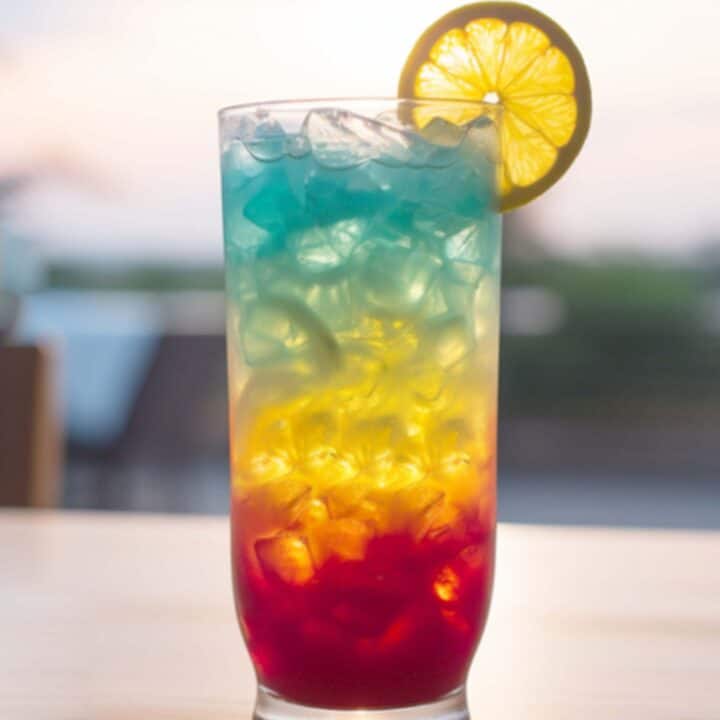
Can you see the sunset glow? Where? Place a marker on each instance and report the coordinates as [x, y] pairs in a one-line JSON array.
[[130, 93]]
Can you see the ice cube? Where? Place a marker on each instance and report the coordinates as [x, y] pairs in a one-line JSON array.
[[286, 558], [236, 158], [427, 382], [341, 139], [243, 238], [273, 497], [446, 524], [262, 135], [345, 538], [269, 334], [474, 244], [457, 291], [415, 505], [276, 206], [332, 196], [373, 514], [443, 133], [435, 304], [452, 436], [333, 144], [434, 145], [332, 301], [466, 273], [393, 341], [474, 556], [446, 585], [396, 278], [315, 429], [482, 141], [394, 226], [357, 378], [413, 188], [444, 140], [371, 443], [286, 496], [271, 466], [315, 436], [240, 129], [278, 275], [277, 329], [315, 512], [463, 238], [265, 388], [464, 577], [297, 145], [343, 497], [454, 449], [321, 249], [395, 118], [485, 309], [447, 340], [438, 222]]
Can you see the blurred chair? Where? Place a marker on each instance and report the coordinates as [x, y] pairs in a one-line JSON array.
[[181, 410], [30, 454], [9, 311]]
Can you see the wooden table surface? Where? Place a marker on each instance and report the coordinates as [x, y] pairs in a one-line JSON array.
[[130, 617]]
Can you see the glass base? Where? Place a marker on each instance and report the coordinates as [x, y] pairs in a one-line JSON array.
[[269, 706]]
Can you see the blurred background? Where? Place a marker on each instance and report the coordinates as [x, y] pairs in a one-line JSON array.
[[111, 250]]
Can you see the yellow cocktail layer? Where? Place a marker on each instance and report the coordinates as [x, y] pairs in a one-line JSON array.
[[398, 436]]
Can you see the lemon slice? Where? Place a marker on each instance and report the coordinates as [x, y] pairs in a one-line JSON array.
[[516, 57]]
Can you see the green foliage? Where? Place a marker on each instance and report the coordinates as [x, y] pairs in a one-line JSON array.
[[632, 339], [147, 278]]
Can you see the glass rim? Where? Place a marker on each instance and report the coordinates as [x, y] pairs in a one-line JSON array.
[[294, 104]]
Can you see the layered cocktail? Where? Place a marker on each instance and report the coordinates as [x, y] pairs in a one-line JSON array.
[[362, 245], [362, 252]]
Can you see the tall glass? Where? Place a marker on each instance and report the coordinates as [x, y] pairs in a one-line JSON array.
[[362, 249]]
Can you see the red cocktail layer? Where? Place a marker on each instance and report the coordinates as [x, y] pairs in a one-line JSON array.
[[397, 627]]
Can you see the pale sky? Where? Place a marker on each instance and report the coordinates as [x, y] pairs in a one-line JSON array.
[[130, 89]]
